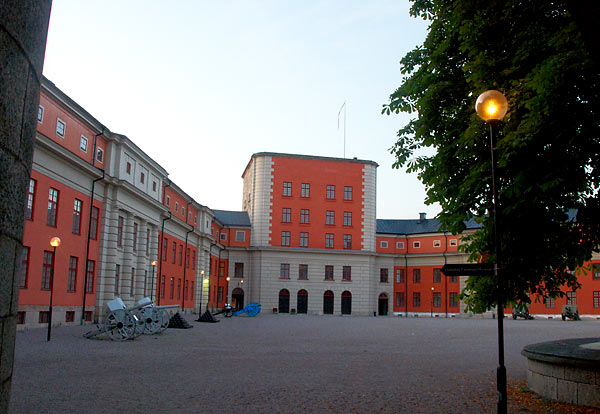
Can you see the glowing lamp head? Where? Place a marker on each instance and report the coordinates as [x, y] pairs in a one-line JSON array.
[[228, 278], [153, 262], [55, 241], [491, 105], [202, 272]]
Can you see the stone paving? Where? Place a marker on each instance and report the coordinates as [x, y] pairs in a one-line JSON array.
[[280, 364]]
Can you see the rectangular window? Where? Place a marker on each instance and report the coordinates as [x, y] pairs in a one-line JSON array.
[[128, 168], [286, 215], [177, 206], [44, 317], [240, 236], [40, 117], [348, 193], [94, 224], [178, 289], [383, 275], [399, 245], [437, 299], [416, 299], [417, 245], [172, 288], [453, 243], [437, 275], [287, 189], [162, 286], [303, 239], [285, 238], [100, 155], [596, 272], [52, 207], [173, 253], [91, 271], [330, 218], [24, 268], [61, 126], [193, 259], [328, 272], [76, 226], [305, 190], [83, 143], [143, 178], [70, 316], [347, 218], [284, 271], [416, 275], [550, 303], [453, 279], [347, 273], [347, 241], [221, 269], [399, 298], [330, 192], [383, 244], [304, 216], [168, 202], [329, 240], [185, 290], [571, 298], [135, 238], [220, 294], [164, 248], [117, 277], [192, 291], [88, 316], [303, 272], [154, 186], [120, 222], [47, 270], [453, 300], [399, 275], [223, 236], [20, 318], [437, 243], [187, 258], [72, 278], [596, 299], [238, 270], [180, 255], [145, 282], [30, 199], [132, 287]]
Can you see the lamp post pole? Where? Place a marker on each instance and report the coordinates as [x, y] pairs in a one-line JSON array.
[[54, 242], [491, 106], [431, 303], [153, 263]]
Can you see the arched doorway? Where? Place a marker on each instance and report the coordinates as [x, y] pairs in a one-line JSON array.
[[346, 303], [237, 298], [302, 302], [284, 301], [328, 302], [383, 305]]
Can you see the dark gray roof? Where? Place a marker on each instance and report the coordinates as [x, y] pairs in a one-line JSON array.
[[232, 218], [416, 226]]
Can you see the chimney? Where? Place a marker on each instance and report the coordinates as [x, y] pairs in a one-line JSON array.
[[422, 217]]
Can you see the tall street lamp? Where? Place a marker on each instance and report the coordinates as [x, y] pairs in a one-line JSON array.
[[54, 242], [153, 263], [491, 106]]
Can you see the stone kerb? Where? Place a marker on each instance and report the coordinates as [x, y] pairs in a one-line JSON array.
[[566, 370]]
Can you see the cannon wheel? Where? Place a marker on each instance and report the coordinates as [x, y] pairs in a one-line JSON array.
[[140, 323], [164, 318], [152, 325], [119, 325]]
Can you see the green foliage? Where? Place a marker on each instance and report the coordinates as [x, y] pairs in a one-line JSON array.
[[549, 144]]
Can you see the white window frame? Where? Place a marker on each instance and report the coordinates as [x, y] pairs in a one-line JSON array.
[[223, 236], [177, 206], [40, 119], [168, 202], [100, 155], [64, 128], [453, 242], [437, 243], [416, 245], [383, 244], [182, 211], [237, 236], [83, 147], [399, 245]]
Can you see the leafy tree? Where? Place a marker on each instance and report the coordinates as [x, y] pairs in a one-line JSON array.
[[549, 144]]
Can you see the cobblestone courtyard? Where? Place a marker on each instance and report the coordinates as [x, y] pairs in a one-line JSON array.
[[280, 364]]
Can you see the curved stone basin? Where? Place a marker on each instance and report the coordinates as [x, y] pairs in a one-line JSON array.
[[567, 370]]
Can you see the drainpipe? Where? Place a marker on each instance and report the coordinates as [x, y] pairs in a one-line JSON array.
[[406, 277], [186, 260], [446, 277], [87, 248], [209, 274], [162, 236]]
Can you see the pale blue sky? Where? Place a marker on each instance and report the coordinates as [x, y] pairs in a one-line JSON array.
[[226, 79]]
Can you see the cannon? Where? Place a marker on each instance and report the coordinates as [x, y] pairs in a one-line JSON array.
[[156, 318], [252, 309], [521, 311], [120, 323], [570, 311]]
